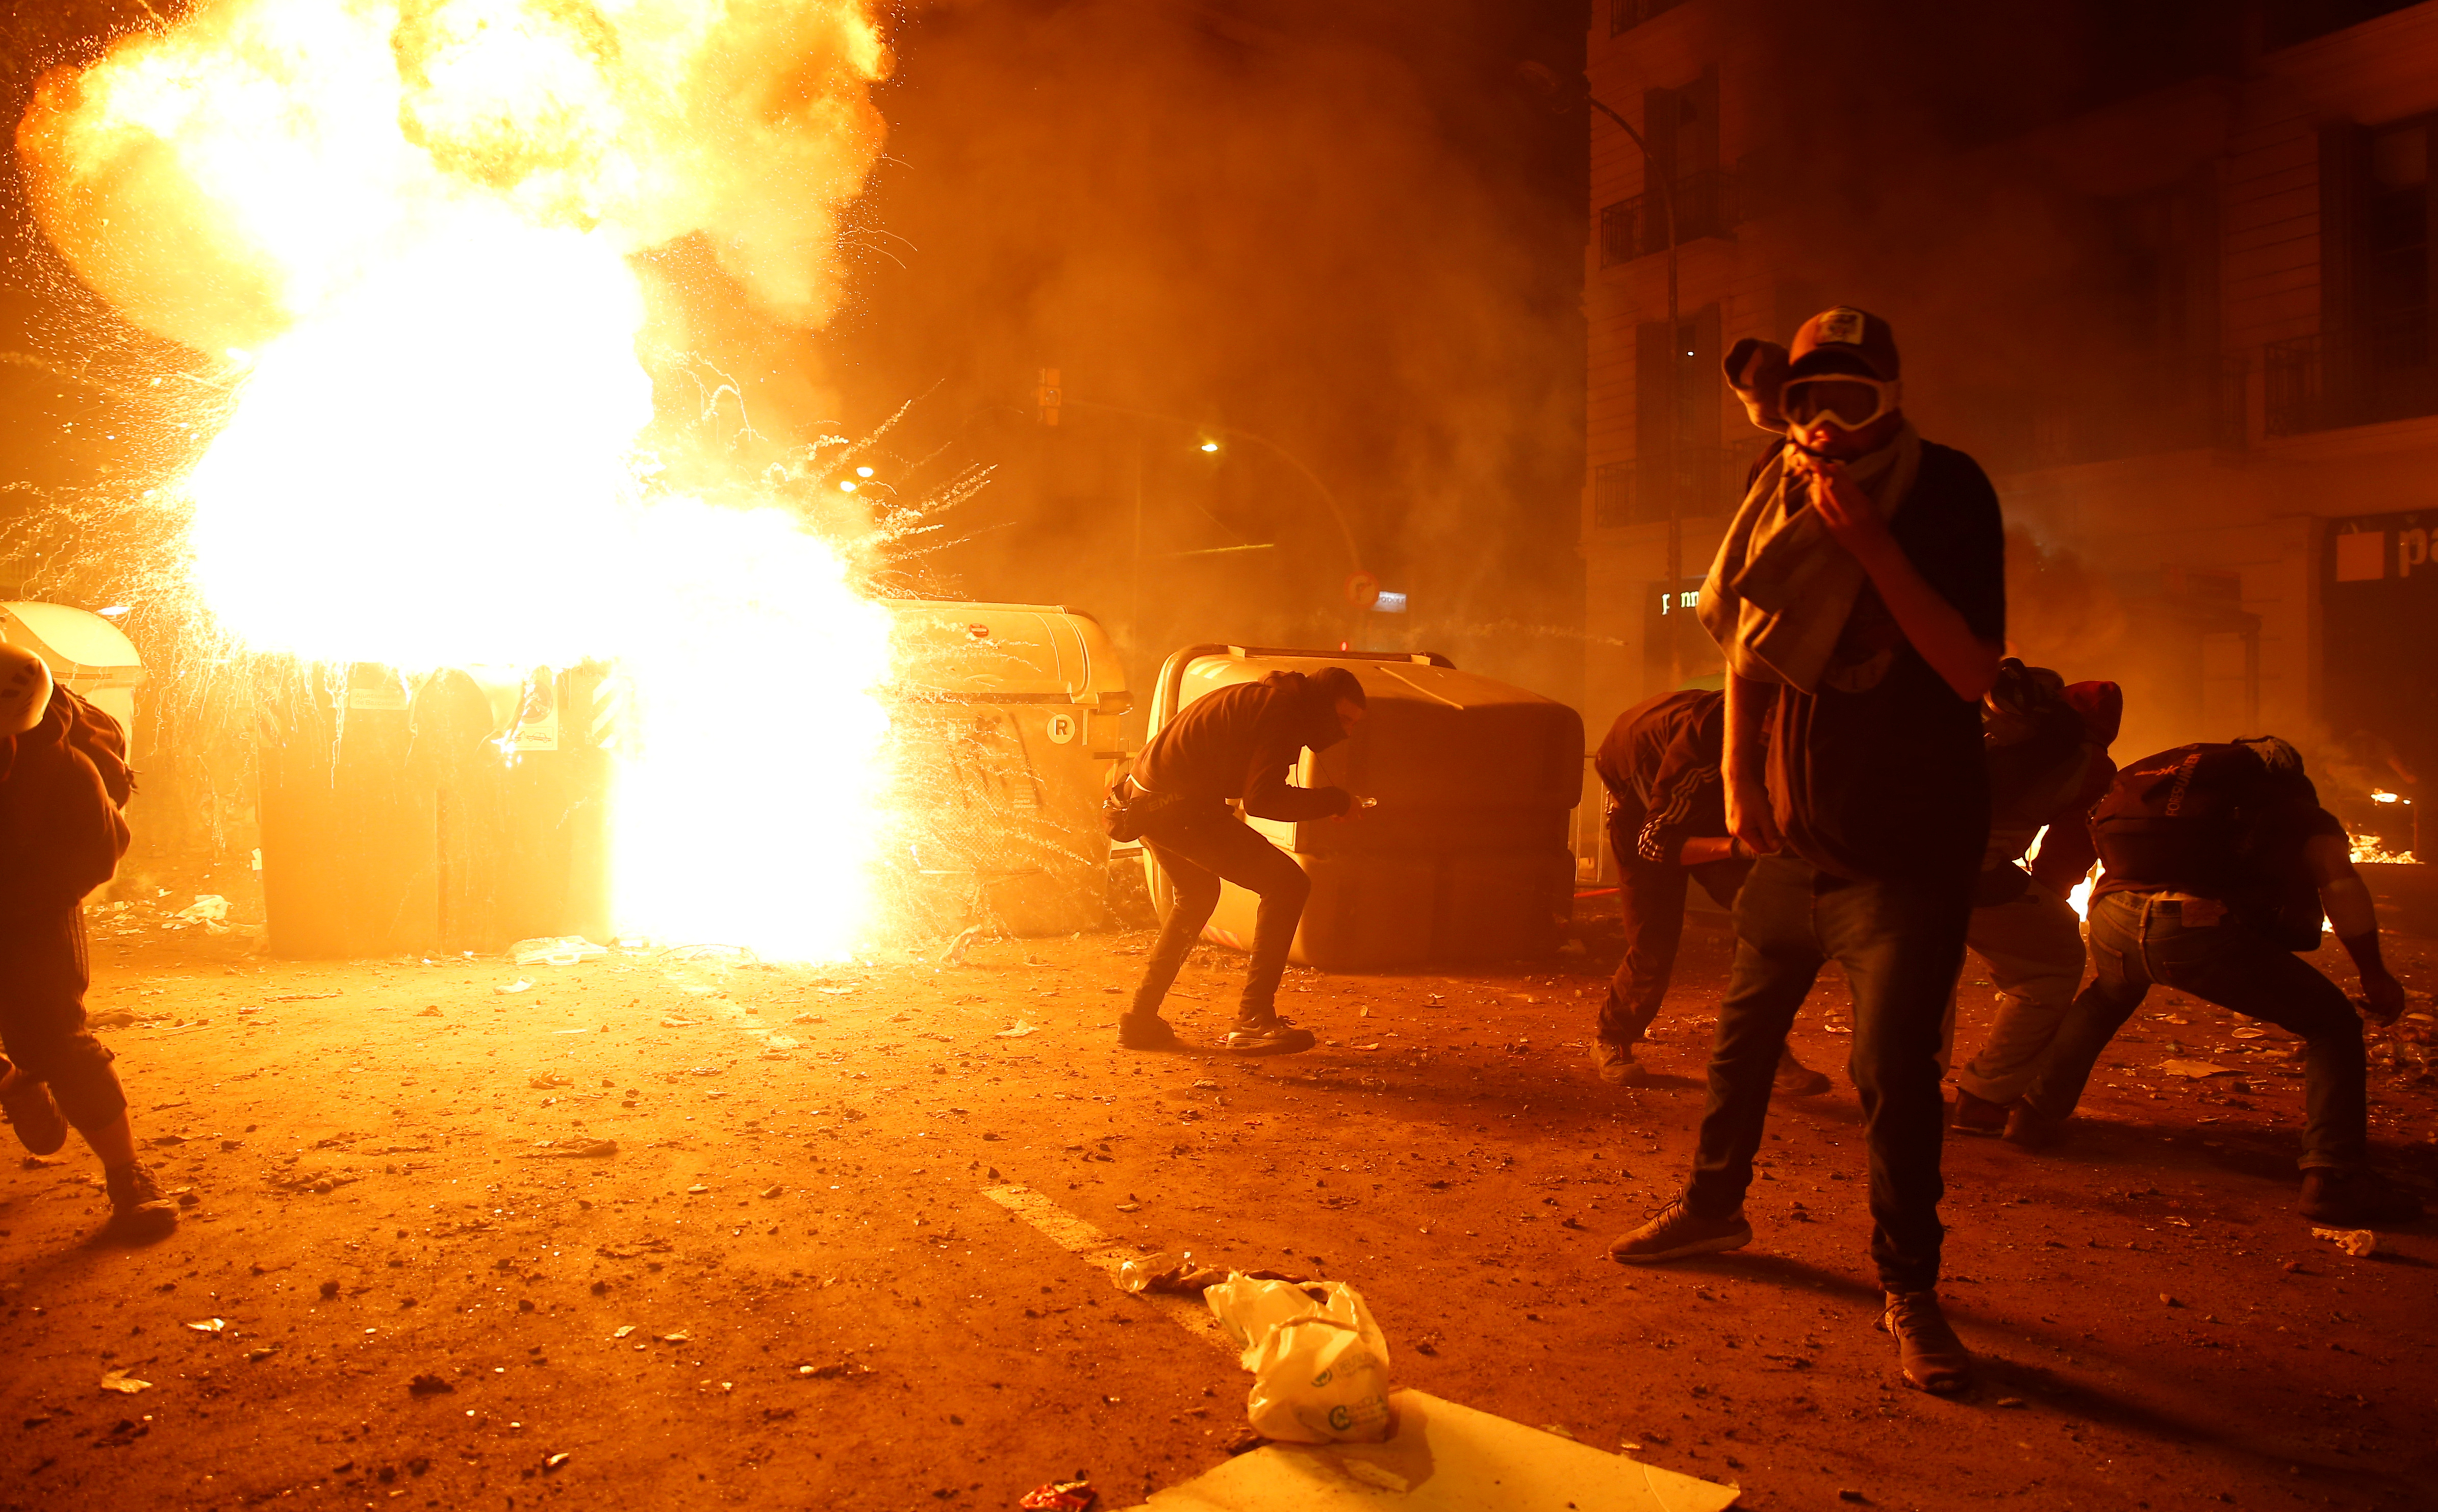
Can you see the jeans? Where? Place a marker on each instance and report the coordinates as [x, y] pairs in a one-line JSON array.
[[2033, 947], [1650, 897], [42, 979], [1198, 846], [1900, 944], [2138, 938]]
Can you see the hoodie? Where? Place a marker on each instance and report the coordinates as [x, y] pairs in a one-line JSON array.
[[1239, 742]]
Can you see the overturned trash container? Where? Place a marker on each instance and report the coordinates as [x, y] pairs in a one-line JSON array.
[[1466, 855]]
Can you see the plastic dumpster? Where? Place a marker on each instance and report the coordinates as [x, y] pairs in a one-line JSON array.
[[1465, 858], [1005, 717], [351, 863], [85, 651]]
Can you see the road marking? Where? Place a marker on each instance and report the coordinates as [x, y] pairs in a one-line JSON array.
[[1104, 1254]]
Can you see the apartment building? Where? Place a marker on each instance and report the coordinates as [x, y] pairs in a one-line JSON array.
[[2222, 489]]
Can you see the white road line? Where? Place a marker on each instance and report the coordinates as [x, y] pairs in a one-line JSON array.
[[1103, 1253]]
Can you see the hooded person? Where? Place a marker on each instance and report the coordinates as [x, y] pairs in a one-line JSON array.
[[1859, 599], [62, 776], [1228, 750]]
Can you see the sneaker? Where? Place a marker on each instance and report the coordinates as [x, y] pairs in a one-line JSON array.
[[1931, 1357], [1616, 1065], [1147, 1031], [2354, 1199], [1674, 1232], [1979, 1115], [2027, 1128], [1269, 1037], [41, 1127], [138, 1213], [1795, 1079]]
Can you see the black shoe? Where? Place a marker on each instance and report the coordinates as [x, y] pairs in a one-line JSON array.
[[2029, 1129], [2354, 1199], [1979, 1115], [1269, 1037], [1928, 1351], [138, 1213], [1793, 1079], [1674, 1233], [41, 1127], [1148, 1032]]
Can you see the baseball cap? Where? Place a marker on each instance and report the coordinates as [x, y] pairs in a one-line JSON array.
[[1848, 332]]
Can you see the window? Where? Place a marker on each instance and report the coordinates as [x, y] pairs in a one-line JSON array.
[[2376, 356], [1624, 15]]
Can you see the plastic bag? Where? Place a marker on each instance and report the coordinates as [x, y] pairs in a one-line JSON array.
[[1319, 1363]]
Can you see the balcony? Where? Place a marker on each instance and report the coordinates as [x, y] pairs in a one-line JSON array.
[[1707, 482], [1707, 204], [2327, 383]]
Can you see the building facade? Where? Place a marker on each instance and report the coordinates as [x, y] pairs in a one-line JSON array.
[[2188, 331]]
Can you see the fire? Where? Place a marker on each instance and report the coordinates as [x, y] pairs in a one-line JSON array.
[[406, 227]]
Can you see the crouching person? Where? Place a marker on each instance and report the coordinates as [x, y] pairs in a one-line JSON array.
[[63, 776], [2219, 863], [1234, 746]]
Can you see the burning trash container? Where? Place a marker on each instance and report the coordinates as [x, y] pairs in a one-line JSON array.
[[84, 651], [1465, 857], [1006, 721], [351, 866]]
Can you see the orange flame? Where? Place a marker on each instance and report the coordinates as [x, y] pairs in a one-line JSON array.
[[407, 226]]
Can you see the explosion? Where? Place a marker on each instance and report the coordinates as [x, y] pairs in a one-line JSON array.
[[408, 229]]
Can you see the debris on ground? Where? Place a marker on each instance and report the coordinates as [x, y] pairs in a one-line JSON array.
[[119, 1380], [2196, 1070], [428, 1385], [2354, 1242], [1020, 1029], [1319, 1363], [555, 950], [519, 985], [1061, 1496]]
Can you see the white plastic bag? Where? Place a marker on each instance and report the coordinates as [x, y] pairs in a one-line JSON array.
[[1319, 1364]]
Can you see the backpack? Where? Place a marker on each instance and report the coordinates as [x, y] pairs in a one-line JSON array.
[[102, 741], [2210, 818]]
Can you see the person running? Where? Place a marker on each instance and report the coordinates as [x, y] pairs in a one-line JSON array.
[[1667, 825], [2219, 863], [1233, 746], [63, 776], [1859, 598]]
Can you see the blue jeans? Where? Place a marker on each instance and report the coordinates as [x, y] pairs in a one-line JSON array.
[[1902, 946], [2138, 938]]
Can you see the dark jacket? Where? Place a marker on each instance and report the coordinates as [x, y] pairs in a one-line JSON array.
[[1241, 742], [1663, 756], [60, 834]]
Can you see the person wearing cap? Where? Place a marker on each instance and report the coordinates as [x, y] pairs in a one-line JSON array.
[[1233, 748], [61, 836], [1667, 825], [2047, 751], [1859, 598]]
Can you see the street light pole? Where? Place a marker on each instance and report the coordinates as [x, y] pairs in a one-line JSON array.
[[1672, 602]]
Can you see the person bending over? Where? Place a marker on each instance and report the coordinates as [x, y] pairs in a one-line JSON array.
[[1667, 825], [61, 836], [2219, 864], [1234, 746], [1861, 592]]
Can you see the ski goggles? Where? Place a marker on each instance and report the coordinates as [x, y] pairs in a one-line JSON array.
[[1845, 400]]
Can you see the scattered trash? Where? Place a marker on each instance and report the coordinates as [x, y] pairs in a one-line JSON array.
[[428, 1385], [209, 1326], [2354, 1242], [772, 1191], [1019, 1031], [555, 950], [209, 910], [1319, 1363], [111, 1018], [434, 1011], [256, 1357], [2196, 1070], [547, 1081], [306, 997], [119, 1380], [1061, 1496], [553, 1462], [519, 985], [681, 1336], [676, 1023], [590, 1148], [623, 1331], [329, 1290]]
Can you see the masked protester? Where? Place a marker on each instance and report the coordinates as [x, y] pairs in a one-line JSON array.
[[1234, 747], [2048, 748], [1859, 597], [62, 776], [2218, 864], [1667, 826]]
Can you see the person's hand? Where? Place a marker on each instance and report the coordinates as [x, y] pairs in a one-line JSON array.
[[1749, 818], [1852, 519], [2382, 998]]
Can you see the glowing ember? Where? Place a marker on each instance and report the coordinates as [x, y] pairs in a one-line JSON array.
[[2370, 849], [2080, 896], [407, 225]]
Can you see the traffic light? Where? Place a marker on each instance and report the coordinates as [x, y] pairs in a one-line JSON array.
[[1046, 396]]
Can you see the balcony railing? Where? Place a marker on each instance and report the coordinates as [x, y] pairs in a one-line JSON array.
[[1707, 482], [2326, 383], [1707, 204]]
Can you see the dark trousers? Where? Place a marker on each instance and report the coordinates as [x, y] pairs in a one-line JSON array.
[[42, 979], [1650, 898], [1197, 847], [2138, 938], [1902, 945]]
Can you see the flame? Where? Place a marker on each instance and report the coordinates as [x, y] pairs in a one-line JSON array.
[[2370, 849], [406, 227]]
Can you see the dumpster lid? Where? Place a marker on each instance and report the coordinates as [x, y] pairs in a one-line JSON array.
[[71, 639]]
